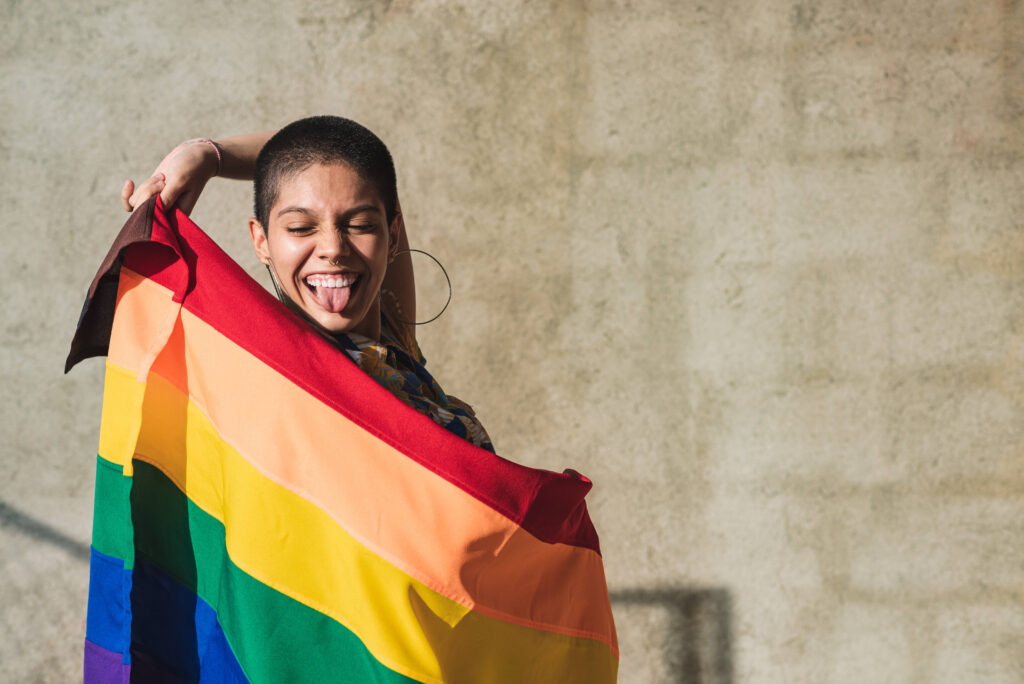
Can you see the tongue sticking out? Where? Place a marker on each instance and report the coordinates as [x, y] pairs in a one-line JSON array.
[[333, 299]]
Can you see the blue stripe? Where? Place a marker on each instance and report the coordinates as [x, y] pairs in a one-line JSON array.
[[177, 633], [110, 615]]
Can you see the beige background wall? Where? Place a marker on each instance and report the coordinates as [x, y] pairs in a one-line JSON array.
[[754, 267]]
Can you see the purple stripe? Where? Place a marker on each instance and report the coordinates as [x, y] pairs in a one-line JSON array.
[[103, 666]]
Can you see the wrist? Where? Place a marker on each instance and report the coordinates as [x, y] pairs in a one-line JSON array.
[[211, 150], [216, 151]]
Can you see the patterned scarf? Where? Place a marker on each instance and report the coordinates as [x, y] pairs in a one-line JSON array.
[[405, 376]]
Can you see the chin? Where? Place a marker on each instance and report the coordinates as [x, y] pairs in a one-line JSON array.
[[333, 324]]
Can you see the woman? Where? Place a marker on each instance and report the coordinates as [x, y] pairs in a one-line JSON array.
[[326, 204]]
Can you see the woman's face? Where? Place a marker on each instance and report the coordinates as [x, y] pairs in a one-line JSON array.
[[329, 243]]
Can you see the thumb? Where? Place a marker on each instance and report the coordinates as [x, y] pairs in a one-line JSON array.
[[187, 201], [126, 193]]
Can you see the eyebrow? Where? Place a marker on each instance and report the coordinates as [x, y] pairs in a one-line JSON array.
[[309, 212]]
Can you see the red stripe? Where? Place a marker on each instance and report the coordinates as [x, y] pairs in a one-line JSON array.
[[549, 505]]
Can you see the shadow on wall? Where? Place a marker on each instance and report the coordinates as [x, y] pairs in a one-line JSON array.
[[40, 531], [698, 649]]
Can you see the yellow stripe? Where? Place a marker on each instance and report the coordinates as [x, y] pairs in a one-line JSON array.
[[294, 547], [122, 414]]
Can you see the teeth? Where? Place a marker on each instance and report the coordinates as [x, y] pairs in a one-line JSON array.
[[324, 281]]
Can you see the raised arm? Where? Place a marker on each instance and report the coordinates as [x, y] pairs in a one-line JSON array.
[[185, 171], [399, 279]]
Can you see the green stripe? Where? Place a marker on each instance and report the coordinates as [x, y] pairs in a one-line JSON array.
[[275, 637], [112, 521]]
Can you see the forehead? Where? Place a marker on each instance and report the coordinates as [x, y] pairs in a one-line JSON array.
[[328, 188]]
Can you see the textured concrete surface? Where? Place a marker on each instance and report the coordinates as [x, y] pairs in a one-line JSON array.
[[754, 267]]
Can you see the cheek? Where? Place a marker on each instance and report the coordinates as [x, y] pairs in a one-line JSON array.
[[373, 250], [289, 255]]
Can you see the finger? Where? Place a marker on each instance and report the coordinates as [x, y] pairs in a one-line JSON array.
[[171, 193], [399, 228], [146, 189], [126, 192], [150, 187]]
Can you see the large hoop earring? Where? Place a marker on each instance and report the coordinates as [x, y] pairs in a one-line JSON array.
[[285, 299], [448, 280]]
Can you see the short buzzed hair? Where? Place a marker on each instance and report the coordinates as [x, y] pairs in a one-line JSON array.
[[322, 140]]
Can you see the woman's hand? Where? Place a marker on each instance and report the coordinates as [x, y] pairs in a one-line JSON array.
[[179, 178]]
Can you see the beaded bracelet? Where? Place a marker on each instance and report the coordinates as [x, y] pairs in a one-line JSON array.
[[216, 150]]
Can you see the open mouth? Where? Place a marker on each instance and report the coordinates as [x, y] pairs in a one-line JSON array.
[[332, 292]]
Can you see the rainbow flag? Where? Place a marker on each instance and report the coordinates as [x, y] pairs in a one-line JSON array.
[[266, 512]]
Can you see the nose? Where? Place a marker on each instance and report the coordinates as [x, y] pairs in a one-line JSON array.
[[333, 244]]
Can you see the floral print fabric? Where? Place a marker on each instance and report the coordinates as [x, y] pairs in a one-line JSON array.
[[404, 375]]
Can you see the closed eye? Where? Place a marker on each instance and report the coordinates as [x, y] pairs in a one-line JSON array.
[[361, 227]]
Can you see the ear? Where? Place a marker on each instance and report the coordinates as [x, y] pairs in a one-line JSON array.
[[395, 235], [259, 241]]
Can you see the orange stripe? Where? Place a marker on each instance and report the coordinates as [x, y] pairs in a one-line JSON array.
[[413, 518]]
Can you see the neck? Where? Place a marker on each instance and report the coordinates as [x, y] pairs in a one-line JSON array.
[[370, 325]]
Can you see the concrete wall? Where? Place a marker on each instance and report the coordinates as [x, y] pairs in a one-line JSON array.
[[754, 267]]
